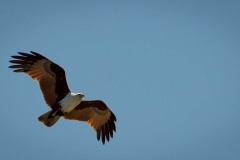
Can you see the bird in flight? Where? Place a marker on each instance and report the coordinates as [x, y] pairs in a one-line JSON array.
[[63, 103]]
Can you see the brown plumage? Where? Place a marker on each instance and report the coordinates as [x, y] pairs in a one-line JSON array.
[[52, 81], [49, 75], [97, 115]]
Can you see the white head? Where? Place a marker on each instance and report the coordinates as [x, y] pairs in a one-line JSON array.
[[80, 95]]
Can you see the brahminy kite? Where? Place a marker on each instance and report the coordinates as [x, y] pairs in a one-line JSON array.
[[63, 103]]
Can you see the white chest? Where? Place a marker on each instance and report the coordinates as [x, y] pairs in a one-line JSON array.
[[69, 102]]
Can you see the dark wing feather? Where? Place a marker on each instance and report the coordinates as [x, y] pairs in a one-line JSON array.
[[97, 115], [50, 76]]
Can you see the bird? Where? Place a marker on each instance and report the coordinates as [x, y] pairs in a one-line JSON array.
[[63, 103]]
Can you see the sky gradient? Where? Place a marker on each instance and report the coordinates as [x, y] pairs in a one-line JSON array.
[[169, 70]]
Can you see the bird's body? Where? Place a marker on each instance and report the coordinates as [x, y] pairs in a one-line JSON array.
[[57, 95]]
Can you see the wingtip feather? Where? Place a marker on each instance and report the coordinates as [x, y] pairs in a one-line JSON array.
[[19, 70], [23, 54], [103, 134], [38, 55], [98, 134]]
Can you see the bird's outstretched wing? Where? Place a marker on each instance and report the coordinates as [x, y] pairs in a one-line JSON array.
[[50, 76], [97, 115]]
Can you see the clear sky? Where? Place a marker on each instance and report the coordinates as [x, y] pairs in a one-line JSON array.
[[169, 70]]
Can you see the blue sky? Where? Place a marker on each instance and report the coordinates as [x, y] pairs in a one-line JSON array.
[[169, 70]]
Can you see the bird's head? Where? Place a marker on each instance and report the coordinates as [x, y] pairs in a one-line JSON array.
[[80, 95]]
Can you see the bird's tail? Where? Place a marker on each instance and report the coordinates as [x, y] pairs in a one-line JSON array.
[[49, 119]]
